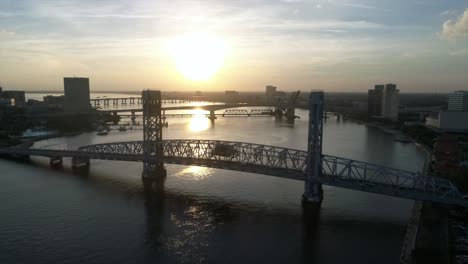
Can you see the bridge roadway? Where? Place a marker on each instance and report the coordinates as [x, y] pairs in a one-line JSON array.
[[211, 107], [273, 161]]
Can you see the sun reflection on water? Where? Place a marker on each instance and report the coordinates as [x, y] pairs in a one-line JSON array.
[[195, 173], [199, 122]]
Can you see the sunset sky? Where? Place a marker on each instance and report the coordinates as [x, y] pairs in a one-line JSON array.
[[332, 45]]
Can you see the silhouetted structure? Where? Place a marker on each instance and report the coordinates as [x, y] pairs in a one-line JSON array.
[[270, 93], [76, 95], [19, 97]]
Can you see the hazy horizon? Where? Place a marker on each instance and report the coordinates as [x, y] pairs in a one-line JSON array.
[[235, 45]]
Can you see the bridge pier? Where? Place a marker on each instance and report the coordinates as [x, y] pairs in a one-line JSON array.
[[133, 118], [80, 162], [56, 162], [290, 115], [154, 172], [212, 116], [313, 193]]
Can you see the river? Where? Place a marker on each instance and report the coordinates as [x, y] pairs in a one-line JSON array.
[[204, 215]]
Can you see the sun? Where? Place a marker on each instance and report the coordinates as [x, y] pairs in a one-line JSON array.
[[198, 56]]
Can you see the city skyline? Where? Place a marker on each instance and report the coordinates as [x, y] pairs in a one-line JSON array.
[[295, 45]]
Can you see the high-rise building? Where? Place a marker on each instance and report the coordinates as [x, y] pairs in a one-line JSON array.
[[390, 102], [374, 97], [76, 95], [270, 93], [458, 101], [383, 101]]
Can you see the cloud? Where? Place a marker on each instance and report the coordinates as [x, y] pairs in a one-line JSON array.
[[449, 13], [452, 30], [6, 33], [462, 52], [356, 5]]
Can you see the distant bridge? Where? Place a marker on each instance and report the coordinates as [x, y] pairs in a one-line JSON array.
[[211, 108], [115, 101], [226, 113], [269, 160]]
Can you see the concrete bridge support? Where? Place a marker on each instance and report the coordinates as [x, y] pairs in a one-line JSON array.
[[133, 118], [290, 115], [313, 193], [212, 116], [115, 118], [154, 171], [78, 162], [56, 162]]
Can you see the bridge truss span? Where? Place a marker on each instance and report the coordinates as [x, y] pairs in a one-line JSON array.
[[256, 158], [274, 161], [291, 163]]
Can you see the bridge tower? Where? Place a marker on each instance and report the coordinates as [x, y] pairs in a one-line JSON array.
[[313, 188], [153, 164]]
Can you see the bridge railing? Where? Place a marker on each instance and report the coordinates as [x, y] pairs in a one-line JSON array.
[[216, 150], [271, 160], [335, 168]]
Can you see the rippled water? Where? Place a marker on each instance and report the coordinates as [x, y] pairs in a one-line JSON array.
[[204, 215]]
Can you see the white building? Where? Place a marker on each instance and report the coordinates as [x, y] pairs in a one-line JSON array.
[[458, 101], [450, 121], [76, 95]]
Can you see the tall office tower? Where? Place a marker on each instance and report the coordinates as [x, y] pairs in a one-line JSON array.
[[383, 101], [458, 101], [390, 102], [76, 95], [270, 93], [374, 98]]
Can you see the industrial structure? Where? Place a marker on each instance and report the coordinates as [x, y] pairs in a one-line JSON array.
[[153, 165]]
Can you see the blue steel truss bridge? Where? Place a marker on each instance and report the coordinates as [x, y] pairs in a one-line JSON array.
[[311, 166], [272, 161]]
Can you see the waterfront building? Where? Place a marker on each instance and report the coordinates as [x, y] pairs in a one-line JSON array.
[[5, 102], [18, 97], [450, 121], [390, 102], [447, 156], [76, 97], [455, 119], [270, 93], [383, 102], [374, 101], [55, 101], [458, 101]]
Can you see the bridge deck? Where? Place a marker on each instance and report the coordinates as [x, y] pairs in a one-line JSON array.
[[274, 161]]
